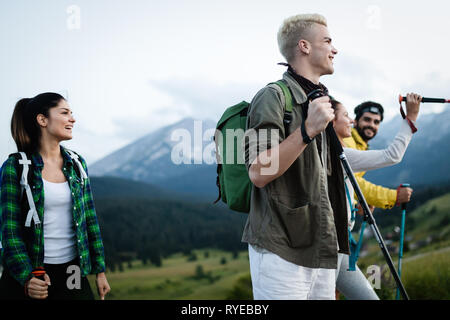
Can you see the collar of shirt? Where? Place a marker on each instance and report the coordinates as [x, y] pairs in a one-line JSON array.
[[360, 143], [39, 163]]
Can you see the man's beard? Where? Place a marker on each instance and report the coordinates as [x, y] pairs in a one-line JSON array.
[[363, 135]]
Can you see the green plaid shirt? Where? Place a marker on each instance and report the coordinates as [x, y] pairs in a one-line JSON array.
[[23, 248]]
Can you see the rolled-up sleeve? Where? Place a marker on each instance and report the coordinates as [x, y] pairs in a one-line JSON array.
[[264, 124]]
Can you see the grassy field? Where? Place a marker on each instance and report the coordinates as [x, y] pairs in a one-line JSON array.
[[425, 276], [179, 278], [428, 276], [426, 268]]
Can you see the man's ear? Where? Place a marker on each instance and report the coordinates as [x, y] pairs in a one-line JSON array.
[[304, 46]]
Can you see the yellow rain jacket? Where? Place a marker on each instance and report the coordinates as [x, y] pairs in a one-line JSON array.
[[377, 196]]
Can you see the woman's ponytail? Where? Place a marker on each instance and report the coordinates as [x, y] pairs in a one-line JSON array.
[[18, 131]]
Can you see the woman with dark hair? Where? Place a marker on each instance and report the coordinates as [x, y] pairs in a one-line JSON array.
[[50, 233], [353, 284]]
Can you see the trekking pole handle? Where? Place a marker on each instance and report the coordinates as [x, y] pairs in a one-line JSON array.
[[432, 100], [39, 273], [404, 185]]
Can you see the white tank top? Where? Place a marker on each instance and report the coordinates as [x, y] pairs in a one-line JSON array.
[[59, 231]]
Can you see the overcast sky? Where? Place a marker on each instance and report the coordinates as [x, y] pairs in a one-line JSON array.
[[131, 67]]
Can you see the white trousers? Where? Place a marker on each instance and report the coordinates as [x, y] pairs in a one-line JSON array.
[[274, 278]]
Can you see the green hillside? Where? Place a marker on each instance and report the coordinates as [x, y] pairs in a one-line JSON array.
[[426, 228], [113, 187], [426, 259], [151, 229], [431, 219], [205, 274]]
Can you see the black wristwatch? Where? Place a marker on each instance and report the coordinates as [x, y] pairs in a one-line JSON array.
[[306, 138]]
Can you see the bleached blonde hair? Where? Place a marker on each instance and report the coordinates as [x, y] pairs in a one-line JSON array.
[[293, 30]]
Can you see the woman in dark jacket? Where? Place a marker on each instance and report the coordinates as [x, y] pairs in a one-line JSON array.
[[50, 233]]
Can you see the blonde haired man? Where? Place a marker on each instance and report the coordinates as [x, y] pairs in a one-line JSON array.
[[298, 216], [295, 28]]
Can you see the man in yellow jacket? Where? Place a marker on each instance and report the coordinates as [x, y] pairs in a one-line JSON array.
[[368, 118]]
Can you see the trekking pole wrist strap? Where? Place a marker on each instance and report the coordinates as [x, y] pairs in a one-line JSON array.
[[410, 123]]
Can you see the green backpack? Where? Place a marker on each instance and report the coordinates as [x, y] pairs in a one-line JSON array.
[[234, 184]]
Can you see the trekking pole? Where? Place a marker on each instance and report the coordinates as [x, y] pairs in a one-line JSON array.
[[354, 255], [431, 100], [402, 235], [360, 240], [367, 213]]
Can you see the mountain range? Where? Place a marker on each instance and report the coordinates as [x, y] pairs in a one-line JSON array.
[[164, 160], [179, 157]]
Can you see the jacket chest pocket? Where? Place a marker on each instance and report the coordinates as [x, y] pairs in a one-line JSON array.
[[296, 223]]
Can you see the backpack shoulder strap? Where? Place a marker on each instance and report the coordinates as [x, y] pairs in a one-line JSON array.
[[284, 90], [76, 159], [20, 167], [287, 94], [23, 171]]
